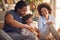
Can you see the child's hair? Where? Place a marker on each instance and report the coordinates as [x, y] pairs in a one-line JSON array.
[[26, 17]]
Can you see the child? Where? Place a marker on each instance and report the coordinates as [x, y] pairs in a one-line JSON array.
[[29, 21]]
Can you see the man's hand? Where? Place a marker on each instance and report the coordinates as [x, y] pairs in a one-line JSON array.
[[28, 27]]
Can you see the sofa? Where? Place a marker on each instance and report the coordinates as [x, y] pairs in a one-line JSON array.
[[3, 35]]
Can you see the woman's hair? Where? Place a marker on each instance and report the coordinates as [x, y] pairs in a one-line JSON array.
[[26, 17], [20, 5], [44, 5]]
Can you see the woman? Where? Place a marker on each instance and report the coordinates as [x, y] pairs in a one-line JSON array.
[[45, 20]]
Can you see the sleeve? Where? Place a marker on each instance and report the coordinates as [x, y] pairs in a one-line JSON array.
[[9, 12], [41, 26]]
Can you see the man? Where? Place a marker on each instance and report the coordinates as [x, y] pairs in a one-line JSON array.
[[13, 22]]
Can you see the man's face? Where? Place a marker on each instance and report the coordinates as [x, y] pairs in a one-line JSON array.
[[22, 11]]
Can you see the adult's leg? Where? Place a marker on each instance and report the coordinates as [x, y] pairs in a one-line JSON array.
[[4, 35], [45, 34], [54, 32], [17, 36]]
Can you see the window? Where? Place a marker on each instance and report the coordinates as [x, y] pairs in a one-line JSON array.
[[57, 14]]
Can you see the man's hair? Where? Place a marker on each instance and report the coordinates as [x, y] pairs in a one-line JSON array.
[[20, 5], [44, 5], [26, 17]]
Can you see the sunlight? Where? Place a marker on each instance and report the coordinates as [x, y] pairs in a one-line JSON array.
[[57, 14], [48, 1]]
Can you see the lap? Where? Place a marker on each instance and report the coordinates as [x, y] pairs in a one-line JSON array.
[[17, 36]]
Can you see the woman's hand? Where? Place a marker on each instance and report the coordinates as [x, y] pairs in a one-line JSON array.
[[50, 23]]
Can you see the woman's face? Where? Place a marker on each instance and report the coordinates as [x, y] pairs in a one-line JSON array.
[[44, 11]]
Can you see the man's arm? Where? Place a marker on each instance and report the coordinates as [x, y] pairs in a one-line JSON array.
[[10, 20]]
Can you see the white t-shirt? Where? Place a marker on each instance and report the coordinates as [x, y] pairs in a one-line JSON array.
[[25, 31]]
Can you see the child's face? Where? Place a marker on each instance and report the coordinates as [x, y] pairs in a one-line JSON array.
[[30, 20]]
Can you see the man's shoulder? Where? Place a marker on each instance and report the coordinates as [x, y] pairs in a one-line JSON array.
[[10, 11]]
